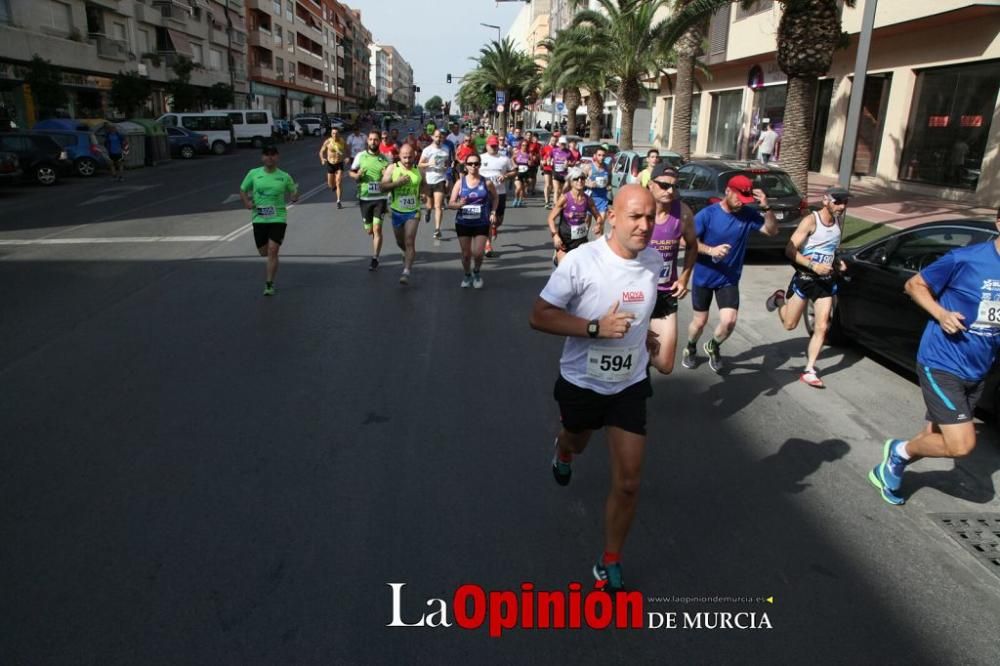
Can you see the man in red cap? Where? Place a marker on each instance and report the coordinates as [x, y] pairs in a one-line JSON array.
[[723, 231]]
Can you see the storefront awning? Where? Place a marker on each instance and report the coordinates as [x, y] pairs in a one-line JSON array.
[[180, 41]]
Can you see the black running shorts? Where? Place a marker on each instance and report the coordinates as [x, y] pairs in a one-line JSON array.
[[811, 288], [268, 231], [371, 209], [949, 399], [666, 305], [334, 167], [725, 297], [472, 229], [582, 409]]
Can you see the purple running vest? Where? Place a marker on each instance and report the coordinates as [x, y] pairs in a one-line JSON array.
[[667, 240]]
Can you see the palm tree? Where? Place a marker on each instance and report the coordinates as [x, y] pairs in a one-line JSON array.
[[687, 49], [633, 46], [571, 65], [808, 34], [502, 66]]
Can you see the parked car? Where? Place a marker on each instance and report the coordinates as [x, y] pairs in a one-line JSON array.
[[250, 126], [213, 124], [282, 130], [186, 144], [82, 148], [871, 308], [588, 148], [703, 182], [309, 125], [40, 157], [10, 168]]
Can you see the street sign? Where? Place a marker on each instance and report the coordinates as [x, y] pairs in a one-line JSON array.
[[501, 97], [515, 105], [560, 107], [499, 108]]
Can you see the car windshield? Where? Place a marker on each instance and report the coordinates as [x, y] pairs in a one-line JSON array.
[[774, 183], [588, 151]]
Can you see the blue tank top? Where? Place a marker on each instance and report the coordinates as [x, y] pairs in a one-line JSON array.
[[601, 177], [476, 211]]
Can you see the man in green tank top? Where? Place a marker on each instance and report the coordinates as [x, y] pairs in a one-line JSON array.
[[367, 170], [402, 182], [264, 191]]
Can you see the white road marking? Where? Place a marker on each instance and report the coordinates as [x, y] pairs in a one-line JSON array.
[[116, 193], [231, 198], [110, 240]]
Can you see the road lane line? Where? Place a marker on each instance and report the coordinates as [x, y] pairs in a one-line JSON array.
[[110, 240]]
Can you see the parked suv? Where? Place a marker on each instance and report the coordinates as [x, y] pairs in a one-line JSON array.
[[703, 182], [82, 148], [40, 156]]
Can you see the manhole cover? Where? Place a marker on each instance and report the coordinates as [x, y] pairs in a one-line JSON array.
[[978, 533]]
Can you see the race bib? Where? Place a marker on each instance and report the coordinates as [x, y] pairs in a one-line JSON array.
[[560, 166], [375, 188], [601, 182], [472, 212], [521, 168], [611, 364], [666, 272], [578, 231], [407, 201], [989, 314], [266, 211], [818, 258]]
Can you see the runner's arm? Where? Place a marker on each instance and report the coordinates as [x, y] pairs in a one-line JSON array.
[[690, 237], [494, 198], [806, 228], [918, 289], [549, 318], [454, 201], [355, 172], [322, 153], [246, 196], [555, 213]]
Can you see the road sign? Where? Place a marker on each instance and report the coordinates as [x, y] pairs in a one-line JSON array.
[[501, 97], [560, 107], [499, 108], [515, 105]]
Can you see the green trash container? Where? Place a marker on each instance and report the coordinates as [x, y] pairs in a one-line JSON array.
[[157, 144]]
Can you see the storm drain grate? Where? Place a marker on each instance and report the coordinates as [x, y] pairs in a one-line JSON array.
[[978, 533]]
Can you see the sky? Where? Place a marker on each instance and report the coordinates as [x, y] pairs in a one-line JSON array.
[[436, 49]]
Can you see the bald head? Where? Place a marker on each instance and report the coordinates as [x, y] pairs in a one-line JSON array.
[[632, 218]]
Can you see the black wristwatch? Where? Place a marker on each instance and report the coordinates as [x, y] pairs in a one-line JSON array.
[[765, 208], [593, 327]]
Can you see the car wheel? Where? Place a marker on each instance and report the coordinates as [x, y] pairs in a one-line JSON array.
[[835, 335], [45, 175], [187, 152], [317, 132], [219, 147], [86, 167], [257, 142]]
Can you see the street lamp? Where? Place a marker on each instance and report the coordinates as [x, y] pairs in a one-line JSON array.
[[490, 25]]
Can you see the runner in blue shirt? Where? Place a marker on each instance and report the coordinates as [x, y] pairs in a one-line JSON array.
[[723, 231], [961, 292]]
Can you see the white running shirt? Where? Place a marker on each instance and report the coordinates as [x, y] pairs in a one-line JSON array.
[[493, 168], [438, 158], [456, 139], [587, 283], [357, 144]]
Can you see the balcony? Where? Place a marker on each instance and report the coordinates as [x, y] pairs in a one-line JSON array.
[[262, 70], [261, 38], [262, 5], [114, 49]]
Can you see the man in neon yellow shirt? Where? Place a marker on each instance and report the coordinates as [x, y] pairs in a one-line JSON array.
[[402, 182], [263, 191], [367, 169], [652, 159]]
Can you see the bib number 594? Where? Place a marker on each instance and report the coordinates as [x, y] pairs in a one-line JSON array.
[[615, 363]]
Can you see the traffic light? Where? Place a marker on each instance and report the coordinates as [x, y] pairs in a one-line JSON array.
[[449, 78], [416, 89]]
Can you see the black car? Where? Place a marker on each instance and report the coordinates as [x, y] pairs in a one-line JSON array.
[[10, 168], [41, 158], [871, 307], [185, 143], [703, 182]]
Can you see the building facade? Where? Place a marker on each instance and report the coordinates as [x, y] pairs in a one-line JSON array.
[[930, 111], [401, 93], [356, 59], [379, 78], [91, 41]]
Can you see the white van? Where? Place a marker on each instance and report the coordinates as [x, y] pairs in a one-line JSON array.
[[215, 125], [253, 126]]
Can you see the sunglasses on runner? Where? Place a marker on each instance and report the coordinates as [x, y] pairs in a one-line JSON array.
[[579, 178], [665, 185], [472, 164]]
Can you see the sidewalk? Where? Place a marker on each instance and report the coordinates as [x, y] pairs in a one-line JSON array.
[[881, 205]]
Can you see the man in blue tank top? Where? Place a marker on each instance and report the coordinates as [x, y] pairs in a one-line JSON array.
[[812, 249], [961, 293]]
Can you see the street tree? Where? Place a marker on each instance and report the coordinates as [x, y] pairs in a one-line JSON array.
[[626, 30], [433, 105], [129, 92], [45, 81], [501, 66], [570, 66], [220, 96], [184, 95]]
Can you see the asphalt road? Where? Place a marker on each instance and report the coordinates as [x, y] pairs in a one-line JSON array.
[[194, 474]]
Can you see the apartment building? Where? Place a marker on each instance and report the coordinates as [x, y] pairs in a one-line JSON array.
[[379, 75], [357, 60], [400, 75], [90, 41], [930, 107]]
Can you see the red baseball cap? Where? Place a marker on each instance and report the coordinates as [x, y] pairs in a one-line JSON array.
[[492, 141], [743, 187]]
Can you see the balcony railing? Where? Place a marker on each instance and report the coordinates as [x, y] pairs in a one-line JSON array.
[[115, 49], [260, 38], [261, 70]]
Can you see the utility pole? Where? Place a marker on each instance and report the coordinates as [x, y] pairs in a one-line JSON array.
[[857, 95]]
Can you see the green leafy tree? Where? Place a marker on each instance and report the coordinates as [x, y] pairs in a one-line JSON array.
[[308, 102], [626, 29], [220, 96], [433, 105], [184, 95], [570, 66], [501, 66], [45, 81], [129, 92]]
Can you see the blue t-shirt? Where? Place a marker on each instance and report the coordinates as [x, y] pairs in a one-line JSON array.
[[715, 226], [966, 280], [113, 143]]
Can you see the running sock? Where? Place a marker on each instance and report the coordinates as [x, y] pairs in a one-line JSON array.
[[900, 450], [565, 457], [269, 283], [715, 342], [692, 344], [610, 558]]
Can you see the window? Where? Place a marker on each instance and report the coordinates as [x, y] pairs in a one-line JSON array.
[[173, 131], [207, 123], [277, 36], [95, 20], [693, 177], [143, 37], [256, 118], [15, 144], [950, 118], [279, 67], [774, 184], [290, 14], [916, 251], [215, 59], [197, 54], [118, 31], [758, 7], [169, 121], [236, 117], [5, 15], [57, 15], [277, 8]]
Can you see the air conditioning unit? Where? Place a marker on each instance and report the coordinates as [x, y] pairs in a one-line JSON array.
[[143, 70]]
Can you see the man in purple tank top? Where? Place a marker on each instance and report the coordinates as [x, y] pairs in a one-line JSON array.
[[674, 221]]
